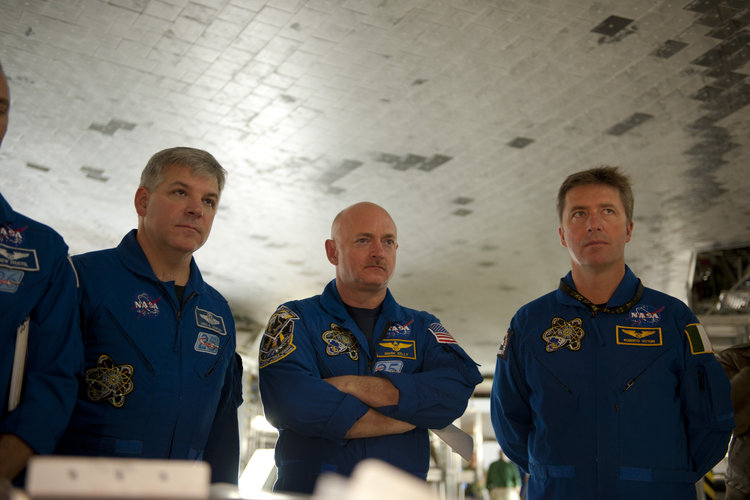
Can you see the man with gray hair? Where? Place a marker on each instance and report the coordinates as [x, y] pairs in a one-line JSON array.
[[162, 379], [42, 351]]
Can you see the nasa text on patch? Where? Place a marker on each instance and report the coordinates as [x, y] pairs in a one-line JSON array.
[[210, 321], [639, 336], [394, 348]]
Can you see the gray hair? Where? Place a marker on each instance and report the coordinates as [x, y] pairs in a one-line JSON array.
[[198, 161]]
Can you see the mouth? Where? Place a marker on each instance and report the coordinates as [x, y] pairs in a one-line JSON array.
[[188, 227]]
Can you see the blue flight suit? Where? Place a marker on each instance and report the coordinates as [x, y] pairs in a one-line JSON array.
[[159, 376], [37, 281], [309, 340], [624, 404]]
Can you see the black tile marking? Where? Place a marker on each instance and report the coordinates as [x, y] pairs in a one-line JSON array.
[[520, 142], [629, 123], [669, 48], [612, 25]]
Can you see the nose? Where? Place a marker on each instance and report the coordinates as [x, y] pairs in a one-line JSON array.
[[594, 223], [194, 208], [376, 248]]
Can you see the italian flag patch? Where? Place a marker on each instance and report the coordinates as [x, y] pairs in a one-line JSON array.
[[699, 342]]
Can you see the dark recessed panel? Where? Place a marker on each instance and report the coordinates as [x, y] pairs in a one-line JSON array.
[[408, 162], [462, 212], [669, 48], [628, 124], [701, 5], [435, 162], [612, 25], [707, 93], [463, 200], [36, 166], [520, 142]]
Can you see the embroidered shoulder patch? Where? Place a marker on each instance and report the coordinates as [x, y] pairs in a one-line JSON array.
[[277, 343], [698, 338], [564, 333], [633, 335], [441, 334], [109, 381], [502, 353]]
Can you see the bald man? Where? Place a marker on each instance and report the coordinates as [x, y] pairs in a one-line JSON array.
[[351, 374]]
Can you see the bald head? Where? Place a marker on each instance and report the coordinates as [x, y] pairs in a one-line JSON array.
[[363, 209], [363, 249]]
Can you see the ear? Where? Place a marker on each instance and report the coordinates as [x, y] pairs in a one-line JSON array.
[[629, 232], [141, 201], [331, 252], [562, 236]]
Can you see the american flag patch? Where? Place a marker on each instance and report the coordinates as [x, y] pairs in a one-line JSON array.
[[441, 334]]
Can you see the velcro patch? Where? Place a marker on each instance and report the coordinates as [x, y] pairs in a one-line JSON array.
[[640, 336], [277, 343], [208, 343], [23, 259], [10, 279], [210, 321], [502, 353], [393, 348], [441, 334], [698, 338], [389, 366]]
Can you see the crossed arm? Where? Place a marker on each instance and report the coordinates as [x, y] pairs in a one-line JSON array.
[[374, 392]]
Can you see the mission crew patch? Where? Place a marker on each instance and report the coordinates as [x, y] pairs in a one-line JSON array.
[[564, 333], [109, 381], [277, 343], [340, 341]]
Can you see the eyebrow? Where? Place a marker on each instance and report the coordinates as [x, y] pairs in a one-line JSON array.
[[210, 194]]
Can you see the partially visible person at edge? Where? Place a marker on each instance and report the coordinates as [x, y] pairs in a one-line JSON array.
[[351, 374], [736, 363], [42, 351], [605, 388], [503, 479], [162, 377]]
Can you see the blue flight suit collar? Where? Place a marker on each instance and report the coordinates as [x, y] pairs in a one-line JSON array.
[[624, 292]]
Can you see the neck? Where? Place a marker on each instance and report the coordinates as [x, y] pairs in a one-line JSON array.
[[167, 266], [597, 285], [363, 299]]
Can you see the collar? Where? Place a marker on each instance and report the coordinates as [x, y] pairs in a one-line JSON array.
[[332, 303], [628, 293], [7, 214], [132, 257]]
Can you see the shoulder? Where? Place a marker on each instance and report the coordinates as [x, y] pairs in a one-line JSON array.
[[543, 304], [95, 260]]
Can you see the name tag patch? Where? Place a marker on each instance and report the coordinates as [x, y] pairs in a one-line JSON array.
[[396, 349], [210, 321], [22, 259], [639, 336]]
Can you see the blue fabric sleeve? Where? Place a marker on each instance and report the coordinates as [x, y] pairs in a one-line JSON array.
[[54, 359], [509, 402], [438, 394], [296, 397]]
